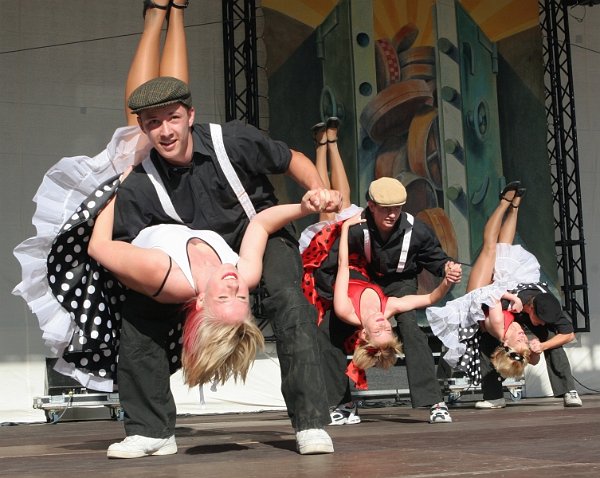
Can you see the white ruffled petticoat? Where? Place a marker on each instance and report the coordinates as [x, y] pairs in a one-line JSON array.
[[458, 320], [64, 187], [309, 232]]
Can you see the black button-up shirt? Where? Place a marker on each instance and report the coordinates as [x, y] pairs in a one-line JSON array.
[[424, 252], [201, 193]]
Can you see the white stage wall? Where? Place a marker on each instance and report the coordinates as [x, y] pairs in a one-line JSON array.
[[62, 69]]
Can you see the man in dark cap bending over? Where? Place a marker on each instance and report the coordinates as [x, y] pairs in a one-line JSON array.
[[212, 177], [543, 316]]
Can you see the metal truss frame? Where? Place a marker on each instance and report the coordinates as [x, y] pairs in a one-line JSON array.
[[240, 51], [564, 161]]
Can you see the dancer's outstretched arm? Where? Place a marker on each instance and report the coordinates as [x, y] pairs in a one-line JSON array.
[[342, 305], [396, 305], [266, 223], [144, 270]]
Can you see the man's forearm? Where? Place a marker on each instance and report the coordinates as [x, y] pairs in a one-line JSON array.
[[557, 341], [303, 171]]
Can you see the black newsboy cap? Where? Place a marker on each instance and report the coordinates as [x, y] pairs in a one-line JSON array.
[[161, 91], [547, 307]]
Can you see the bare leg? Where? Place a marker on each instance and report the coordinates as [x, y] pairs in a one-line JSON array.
[[339, 178], [509, 226], [145, 63], [321, 157], [174, 60], [320, 138], [483, 268]]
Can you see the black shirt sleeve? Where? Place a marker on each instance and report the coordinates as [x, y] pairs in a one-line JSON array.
[[254, 151], [430, 254]]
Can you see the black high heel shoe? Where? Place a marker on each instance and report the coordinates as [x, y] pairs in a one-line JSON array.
[[150, 4], [333, 122], [317, 129], [512, 186], [520, 192], [180, 5]]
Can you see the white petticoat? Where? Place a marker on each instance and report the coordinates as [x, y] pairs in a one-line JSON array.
[[64, 187], [309, 232], [459, 318]]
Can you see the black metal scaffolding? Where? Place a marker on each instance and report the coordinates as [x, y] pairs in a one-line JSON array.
[[239, 46], [564, 161]]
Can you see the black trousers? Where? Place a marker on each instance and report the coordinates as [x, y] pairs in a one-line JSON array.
[[557, 365], [338, 383], [144, 369], [420, 366], [309, 364]]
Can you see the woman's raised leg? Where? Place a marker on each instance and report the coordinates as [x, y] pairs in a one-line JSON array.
[[174, 60], [339, 178], [483, 268], [509, 226], [145, 63]]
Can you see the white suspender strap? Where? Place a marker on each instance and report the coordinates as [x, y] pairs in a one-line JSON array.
[[367, 242], [405, 244], [164, 198], [234, 181]]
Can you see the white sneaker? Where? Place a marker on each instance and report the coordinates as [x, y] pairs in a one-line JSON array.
[[488, 404], [572, 399], [313, 442], [439, 413], [346, 414], [136, 446]]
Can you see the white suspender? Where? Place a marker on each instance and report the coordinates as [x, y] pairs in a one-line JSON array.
[[405, 244], [224, 162], [164, 198], [230, 174], [367, 241], [403, 250]]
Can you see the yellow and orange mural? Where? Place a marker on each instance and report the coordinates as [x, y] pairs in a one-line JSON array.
[[445, 95], [497, 18]]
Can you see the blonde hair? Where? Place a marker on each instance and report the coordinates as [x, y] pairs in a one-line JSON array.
[[367, 355], [503, 360], [214, 350]]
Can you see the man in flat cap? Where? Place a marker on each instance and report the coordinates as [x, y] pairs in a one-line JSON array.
[[213, 177], [397, 247], [543, 316]]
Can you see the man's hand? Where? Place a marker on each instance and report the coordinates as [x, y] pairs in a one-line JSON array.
[[323, 200], [311, 201], [453, 272], [332, 200], [536, 346]]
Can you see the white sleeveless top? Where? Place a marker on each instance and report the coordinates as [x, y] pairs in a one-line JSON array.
[[173, 240]]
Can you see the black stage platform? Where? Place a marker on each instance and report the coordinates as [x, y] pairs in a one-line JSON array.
[[529, 438]]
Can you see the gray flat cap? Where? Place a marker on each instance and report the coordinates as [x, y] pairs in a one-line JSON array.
[[161, 91]]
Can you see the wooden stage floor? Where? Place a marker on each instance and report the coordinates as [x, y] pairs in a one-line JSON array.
[[529, 438]]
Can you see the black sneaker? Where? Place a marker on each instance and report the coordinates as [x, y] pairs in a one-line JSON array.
[[346, 414]]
